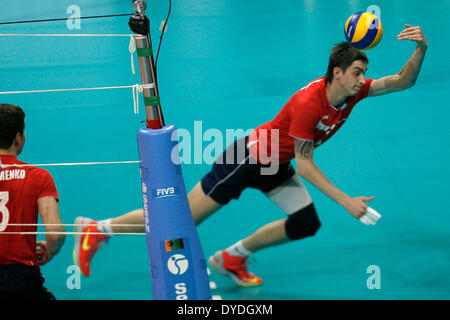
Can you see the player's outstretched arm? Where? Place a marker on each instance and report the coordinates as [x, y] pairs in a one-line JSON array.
[[407, 76], [308, 170]]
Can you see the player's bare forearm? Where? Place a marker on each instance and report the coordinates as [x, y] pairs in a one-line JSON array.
[[55, 242], [49, 211], [308, 170], [410, 71], [408, 75]]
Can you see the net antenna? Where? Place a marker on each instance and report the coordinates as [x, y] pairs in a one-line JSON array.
[[140, 25]]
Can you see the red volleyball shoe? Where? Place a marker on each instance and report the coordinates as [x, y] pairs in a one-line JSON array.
[[86, 244], [235, 267]]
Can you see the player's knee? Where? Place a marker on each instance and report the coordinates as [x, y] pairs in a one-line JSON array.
[[303, 223]]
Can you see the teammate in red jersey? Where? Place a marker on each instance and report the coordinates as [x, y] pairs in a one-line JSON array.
[[262, 161], [25, 191]]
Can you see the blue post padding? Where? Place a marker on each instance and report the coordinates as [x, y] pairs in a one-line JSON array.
[[177, 263]]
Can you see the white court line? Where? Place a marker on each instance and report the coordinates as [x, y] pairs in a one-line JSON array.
[[213, 286]]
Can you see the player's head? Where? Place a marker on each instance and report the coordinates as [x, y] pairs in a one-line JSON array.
[[12, 126], [347, 67]]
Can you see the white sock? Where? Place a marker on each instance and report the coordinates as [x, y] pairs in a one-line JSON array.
[[238, 250], [105, 227]]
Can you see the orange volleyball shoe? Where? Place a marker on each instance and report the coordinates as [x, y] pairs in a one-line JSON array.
[[87, 243]]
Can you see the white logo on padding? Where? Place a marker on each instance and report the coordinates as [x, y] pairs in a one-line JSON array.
[[177, 264]]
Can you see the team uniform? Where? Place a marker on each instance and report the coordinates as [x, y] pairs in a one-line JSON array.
[[20, 189], [307, 115]]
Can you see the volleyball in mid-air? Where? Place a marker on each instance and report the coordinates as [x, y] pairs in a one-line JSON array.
[[363, 30]]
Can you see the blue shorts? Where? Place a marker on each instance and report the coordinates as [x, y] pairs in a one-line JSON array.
[[233, 172]]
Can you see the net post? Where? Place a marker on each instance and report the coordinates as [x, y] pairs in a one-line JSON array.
[[177, 263]]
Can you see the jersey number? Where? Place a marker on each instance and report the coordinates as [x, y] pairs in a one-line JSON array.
[[4, 198]]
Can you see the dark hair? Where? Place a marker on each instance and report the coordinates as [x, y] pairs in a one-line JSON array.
[[12, 121], [342, 56]]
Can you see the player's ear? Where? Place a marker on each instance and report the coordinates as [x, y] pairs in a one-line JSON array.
[[337, 73], [19, 141], [18, 138]]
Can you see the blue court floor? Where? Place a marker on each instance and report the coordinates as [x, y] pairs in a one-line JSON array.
[[232, 65]]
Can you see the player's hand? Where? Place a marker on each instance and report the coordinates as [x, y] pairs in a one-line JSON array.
[[357, 206], [414, 34], [43, 253]]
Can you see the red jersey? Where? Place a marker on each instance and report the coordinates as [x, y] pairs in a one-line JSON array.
[[20, 188], [307, 115]]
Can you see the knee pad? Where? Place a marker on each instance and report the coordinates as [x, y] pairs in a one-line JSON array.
[[303, 223]]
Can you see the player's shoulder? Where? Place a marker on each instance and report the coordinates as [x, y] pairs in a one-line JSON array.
[[314, 85], [312, 90], [310, 95], [41, 172], [36, 172]]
